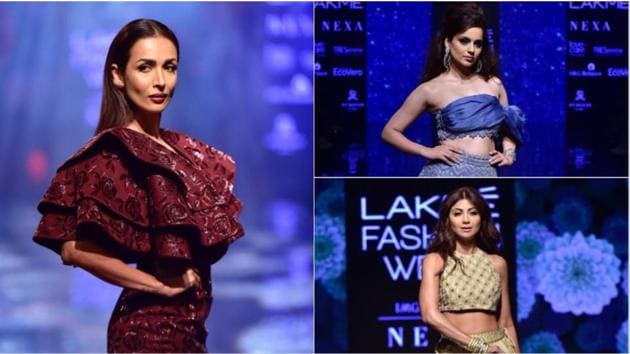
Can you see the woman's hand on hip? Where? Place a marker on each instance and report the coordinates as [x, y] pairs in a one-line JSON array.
[[174, 286], [446, 153], [494, 349], [500, 159]]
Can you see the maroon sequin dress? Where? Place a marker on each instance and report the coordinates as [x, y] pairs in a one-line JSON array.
[[150, 206]]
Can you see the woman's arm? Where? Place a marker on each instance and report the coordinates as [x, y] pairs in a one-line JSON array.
[[102, 264], [505, 313], [508, 157], [500, 89], [430, 297], [393, 131]]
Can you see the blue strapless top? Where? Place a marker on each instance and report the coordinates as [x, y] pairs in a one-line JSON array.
[[479, 115]]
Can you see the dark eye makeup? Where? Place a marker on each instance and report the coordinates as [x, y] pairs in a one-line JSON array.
[[466, 40]]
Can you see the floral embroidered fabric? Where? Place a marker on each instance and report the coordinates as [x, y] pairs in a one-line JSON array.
[[469, 165], [473, 285], [146, 204]]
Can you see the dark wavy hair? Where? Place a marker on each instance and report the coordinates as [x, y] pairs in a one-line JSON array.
[[459, 18], [116, 109], [443, 242]]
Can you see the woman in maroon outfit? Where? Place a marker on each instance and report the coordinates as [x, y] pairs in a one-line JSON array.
[[137, 193]]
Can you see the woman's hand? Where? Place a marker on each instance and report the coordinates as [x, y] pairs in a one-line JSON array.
[[500, 159], [446, 153], [173, 286], [494, 349]]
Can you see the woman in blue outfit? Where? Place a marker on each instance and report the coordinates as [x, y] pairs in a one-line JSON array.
[[461, 88]]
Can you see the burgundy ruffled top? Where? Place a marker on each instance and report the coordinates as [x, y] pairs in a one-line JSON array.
[[143, 200]]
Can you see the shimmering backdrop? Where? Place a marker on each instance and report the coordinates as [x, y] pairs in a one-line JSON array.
[[563, 63], [523, 75], [244, 86], [571, 264]]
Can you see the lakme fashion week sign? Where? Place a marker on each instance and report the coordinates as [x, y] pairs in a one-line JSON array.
[[389, 226]]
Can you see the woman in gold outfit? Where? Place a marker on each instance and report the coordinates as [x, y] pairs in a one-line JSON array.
[[464, 291]]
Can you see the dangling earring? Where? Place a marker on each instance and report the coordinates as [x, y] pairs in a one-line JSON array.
[[447, 58], [478, 66]]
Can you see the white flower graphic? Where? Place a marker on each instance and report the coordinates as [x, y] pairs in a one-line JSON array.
[[578, 274]]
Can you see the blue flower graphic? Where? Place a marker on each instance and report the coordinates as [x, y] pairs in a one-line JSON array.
[[542, 342], [622, 338], [530, 241], [624, 279], [578, 274], [615, 229], [572, 214], [330, 198], [329, 246], [525, 293]]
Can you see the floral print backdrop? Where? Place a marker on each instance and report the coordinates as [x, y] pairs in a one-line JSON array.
[[571, 265], [572, 246]]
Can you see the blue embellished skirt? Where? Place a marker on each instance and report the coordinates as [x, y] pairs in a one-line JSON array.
[[469, 166]]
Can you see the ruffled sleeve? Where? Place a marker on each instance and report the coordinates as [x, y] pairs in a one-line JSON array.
[[126, 192], [96, 195], [515, 123], [208, 201]]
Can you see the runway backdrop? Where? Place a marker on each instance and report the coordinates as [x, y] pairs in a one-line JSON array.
[[564, 64], [244, 86], [565, 241]]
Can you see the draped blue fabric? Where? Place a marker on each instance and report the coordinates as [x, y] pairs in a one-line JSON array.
[[480, 113]]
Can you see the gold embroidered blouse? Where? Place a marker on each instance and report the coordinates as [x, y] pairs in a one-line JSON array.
[[475, 286]]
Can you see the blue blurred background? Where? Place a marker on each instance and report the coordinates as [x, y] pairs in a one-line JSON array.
[[527, 59], [563, 63], [244, 86]]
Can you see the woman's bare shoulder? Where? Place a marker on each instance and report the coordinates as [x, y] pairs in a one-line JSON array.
[[499, 263], [495, 80], [433, 262], [434, 85], [422, 90], [427, 91], [496, 85]]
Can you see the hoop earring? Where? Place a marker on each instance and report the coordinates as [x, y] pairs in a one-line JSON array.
[[478, 66], [446, 61]]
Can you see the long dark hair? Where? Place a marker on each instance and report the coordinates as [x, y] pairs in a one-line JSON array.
[[116, 109], [444, 238], [459, 18]]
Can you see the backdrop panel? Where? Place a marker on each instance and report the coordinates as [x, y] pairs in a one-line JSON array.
[[565, 241], [564, 64], [244, 86]]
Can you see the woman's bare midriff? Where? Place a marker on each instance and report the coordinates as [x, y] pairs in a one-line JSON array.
[[472, 322], [480, 146]]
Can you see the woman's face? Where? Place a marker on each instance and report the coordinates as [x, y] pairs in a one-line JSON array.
[[466, 47], [465, 219], [150, 76]]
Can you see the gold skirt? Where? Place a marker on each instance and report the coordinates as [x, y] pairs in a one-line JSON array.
[[497, 337]]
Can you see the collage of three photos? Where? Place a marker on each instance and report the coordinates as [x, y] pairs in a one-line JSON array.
[[314, 177]]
